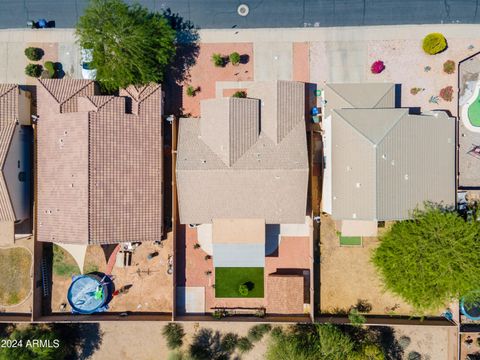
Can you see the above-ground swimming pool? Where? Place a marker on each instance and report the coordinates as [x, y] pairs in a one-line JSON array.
[[88, 294], [470, 309]]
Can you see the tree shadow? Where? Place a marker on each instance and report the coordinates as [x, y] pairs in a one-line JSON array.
[[386, 339], [244, 59], [81, 339], [178, 72], [208, 344], [59, 72]]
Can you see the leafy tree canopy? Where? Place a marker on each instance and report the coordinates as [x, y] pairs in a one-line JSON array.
[[320, 342], [130, 44], [431, 259], [29, 350]]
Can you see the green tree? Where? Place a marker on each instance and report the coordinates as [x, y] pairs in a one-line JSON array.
[[29, 350], [430, 259], [130, 45], [320, 342]]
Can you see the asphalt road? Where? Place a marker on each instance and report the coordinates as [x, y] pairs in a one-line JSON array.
[[263, 13]]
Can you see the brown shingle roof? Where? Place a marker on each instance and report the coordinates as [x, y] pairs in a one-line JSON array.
[[268, 181], [66, 91], [112, 158], [8, 120]]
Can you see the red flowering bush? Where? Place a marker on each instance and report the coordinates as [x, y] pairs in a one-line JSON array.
[[447, 93], [377, 67]]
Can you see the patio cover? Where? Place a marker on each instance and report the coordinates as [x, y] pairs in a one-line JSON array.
[[238, 242], [359, 228]]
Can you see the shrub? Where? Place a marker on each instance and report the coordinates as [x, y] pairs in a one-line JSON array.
[[415, 90], [33, 53], [34, 70], [243, 289], [404, 342], [434, 43], [196, 246], [50, 67], [244, 345], [377, 67], [191, 91], [478, 341], [257, 332], [240, 94], [363, 306], [234, 58], [174, 334], [218, 60], [446, 93], [276, 332], [229, 342], [356, 318], [449, 66]]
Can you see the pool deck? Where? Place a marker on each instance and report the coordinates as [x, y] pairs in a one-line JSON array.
[[468, 164]]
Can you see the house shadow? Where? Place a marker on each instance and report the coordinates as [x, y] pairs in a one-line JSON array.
[[178, 71], [272, 239]]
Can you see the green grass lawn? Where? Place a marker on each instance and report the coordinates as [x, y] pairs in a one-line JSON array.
[[228, 280], [474, 112], [350, 240], [15, 282], [63, 263]]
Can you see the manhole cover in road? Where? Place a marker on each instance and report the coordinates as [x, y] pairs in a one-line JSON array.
[[243, 10]]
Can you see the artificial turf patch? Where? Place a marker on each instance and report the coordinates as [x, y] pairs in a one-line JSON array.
[[350, 240], [229, 279]]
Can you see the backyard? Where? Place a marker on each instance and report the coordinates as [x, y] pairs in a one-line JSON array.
[[15, 275], [145, 284], [196, 275], [348, 276]]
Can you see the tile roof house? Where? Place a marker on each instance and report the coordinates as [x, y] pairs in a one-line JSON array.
[[245, 158], [99, 163], [382, 163], [15, 154]]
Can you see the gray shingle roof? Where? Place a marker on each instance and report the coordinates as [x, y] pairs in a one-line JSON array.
[[269, 181], [385, 170], [360, 96]]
